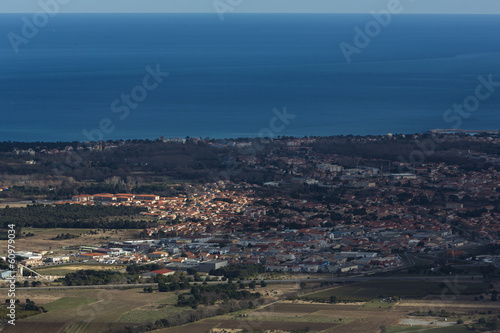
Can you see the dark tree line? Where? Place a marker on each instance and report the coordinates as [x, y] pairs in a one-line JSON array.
[[93, 277], [238, 271], [72, 216]]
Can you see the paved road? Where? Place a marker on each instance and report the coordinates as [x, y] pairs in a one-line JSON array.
[[109, 286], [410, 259]]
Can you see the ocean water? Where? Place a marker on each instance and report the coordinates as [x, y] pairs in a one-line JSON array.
[[226, 77]]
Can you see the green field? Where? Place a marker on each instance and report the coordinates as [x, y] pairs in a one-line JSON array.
[[68, 303], [365, 291], [152, 312]]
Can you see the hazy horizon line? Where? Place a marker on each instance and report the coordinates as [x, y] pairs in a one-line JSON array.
[[254, 13]]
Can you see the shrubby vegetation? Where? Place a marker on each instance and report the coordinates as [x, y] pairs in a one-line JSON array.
[[238, 271], [485, 325], [30, 306], [210, 294], [65, 236], [93, 277], [137, 269]]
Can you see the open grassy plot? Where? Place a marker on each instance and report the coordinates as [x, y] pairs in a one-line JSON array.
[[109, 307], [377, 304], [152, 312], [450, 329], [43, 239], [365, 291], [13, 204], [52, 232], [68, 303], [404, 329], [61, 270]]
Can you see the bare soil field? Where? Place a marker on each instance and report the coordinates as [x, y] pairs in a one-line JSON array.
[[26, 327], [451, 304], [365, 291], [13, 204], [270, 325]]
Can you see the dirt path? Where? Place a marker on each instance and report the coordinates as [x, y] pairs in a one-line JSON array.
[[447, 305]]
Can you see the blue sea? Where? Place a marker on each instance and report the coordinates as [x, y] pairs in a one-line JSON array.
[[226, 77]]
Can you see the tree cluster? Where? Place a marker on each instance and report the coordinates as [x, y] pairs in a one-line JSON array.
[[209, 294], [238, 271]]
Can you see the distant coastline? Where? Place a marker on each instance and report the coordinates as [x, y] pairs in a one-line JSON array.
[[449, 131], [246, 139]]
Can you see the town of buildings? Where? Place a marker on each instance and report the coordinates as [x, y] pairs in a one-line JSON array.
[[371, 224]]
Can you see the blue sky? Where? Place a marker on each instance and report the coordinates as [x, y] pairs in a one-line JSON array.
[[256, 6]]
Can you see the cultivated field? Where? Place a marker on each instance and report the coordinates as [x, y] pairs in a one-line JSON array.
[[89, 310], [99, 310], [296, 316], [365, 291], [153, 311], [69, 303]]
